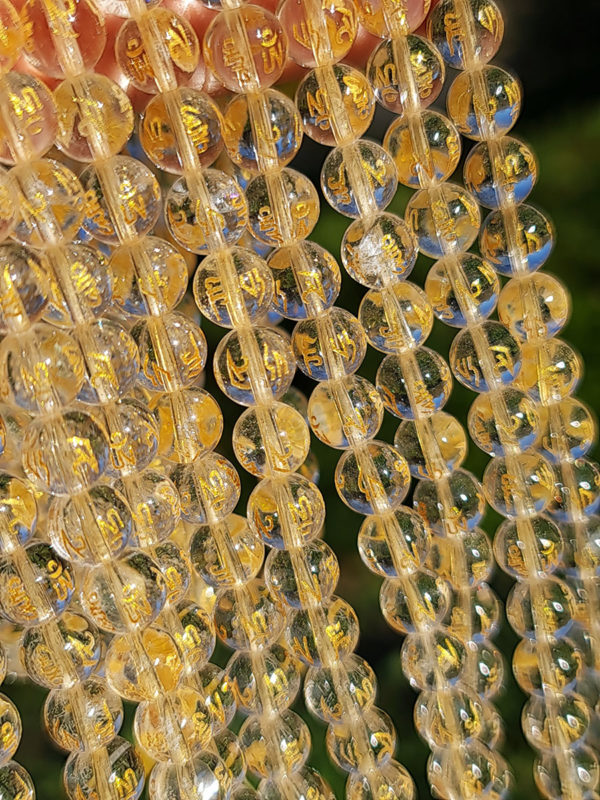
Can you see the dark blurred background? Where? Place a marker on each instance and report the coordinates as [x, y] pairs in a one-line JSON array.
[[552, 46]]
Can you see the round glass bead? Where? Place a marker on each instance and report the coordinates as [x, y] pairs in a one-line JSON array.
[[10, 725], [394, 780], [183, 711], [566, 663], [253, 619], [408, 18], [305, 46], [560, 372], [176, 39], [467, 503], [206, 779], [490, 435], [84, 718], [281, 678], [154, 503], [521, 485], [16, 783], [321, 690], [448, 437], [111, 358], [18, 511], [252, 287], [510, 173], [212, 561], [24, 287], [320, 564], [550, 597], [436, 714], [583, 768], [195, 637], [10, 49], [8, 205], [427, 604], [218, 694], [340, 626], [460, 224], [345, 411], [102, 124], [302, 202], [179, 337], [133, 436], [578, 429], [483, 772], [535, 241], [138, 679], [306, 279], [571, 713], [499, 113], [503, 351], [417, 666], [413, 542], [339, 185], [200, 119], [208, 489], [446, 297], [125, 768], [190, 424], [432, 386], [396, 318], [582, 496], [31, 111], [427, 71], [277, 441], [337, 330], [197, 226], [534, 307], [252, 147], [512, 541], [176, 569], [444, 29], [443, 149], [88, 278], [346, 752], [378, 250], [316, 106], [385, 485], [293, 736], [139, 199]]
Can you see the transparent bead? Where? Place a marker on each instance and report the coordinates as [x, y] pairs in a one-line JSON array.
[[83, 648], [200, 226], [111, 358], [447, 436], [317, 584], [467, 498], [10, 725], [393, 780], [24, 287], [316, 107], [426, 605], [248, 618], [212, 560], [413, 540], [88, 278], [138, 679], [154, 505], [274, 499], [292, 736], [51, 203], [82, 20], [65, 454], [427, 71], [208, 489], [172, 724], [236, 370], [31, 112], [139, 200], [346, 752], [570, 713], [254, 148], [90, 526], [578, 429], [534, 307], [190, 424], [12, 45], [461, 219], [408, 18], [99, 126], [342, 190], [16, 783], [444, 30], [504, 356], [550, 599], [476, 556], [321, 690], [345, 411], [148, 278], [521, 485], [201, 121], [483, 773], [444, 716], [422, 674], [277, 441], [176, 569], [18, 512], [182, 339], [443, 149], [84, 718], [385, 485], [203, 777], [431, 388], [125, 770], [338, 335], [559, 374], [281, 679], [301, 199], [579, 493], [482, 289], [232, 755], [510, 173], [340, 627], [378, 250], [501, 105], [133, 436], [396, 318], [251, 292], [523, 421], [195, 637], [566, 665], [178, 45], [39, 592], [8, 204], [126, 595], [510, 549], [250, 65], [306, 279], [340, 24], [583, 772], [219, 696], [535, 241]]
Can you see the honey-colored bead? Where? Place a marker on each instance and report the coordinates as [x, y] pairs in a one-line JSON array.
[[483, 287], [561, 372], [12, 39], [30, 111], [190, 424], [393, 779], [534, 307], [200, 119], [484, 772], [18, 512], [397, 318], [510, 549], [416, 664], [374, 545], [24, 287], [16, 783], [175, 37], [172, 351], [489, 435], [340, 24], [578, 433], [572, 714], [103, 124], [337, 181], [506, 357], [435, 384], [302, 214], [387, 482], [450, 441], [138, 680], [501, 109], [280, 446], [581, 495], [378, 250], [84, 718], [211, 561], [125, 769], [372, 17], [427, 72], [313, 344], [460, 211], [566, 664], [445, 31], [535, 241], [316, 106], [434, 714], [11, 729]]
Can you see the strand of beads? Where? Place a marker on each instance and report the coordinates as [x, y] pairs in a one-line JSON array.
[[484, 102], [206, 211], [15, 781], [271, 442]]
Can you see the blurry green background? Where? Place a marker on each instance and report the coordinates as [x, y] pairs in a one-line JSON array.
[[552, 53]]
